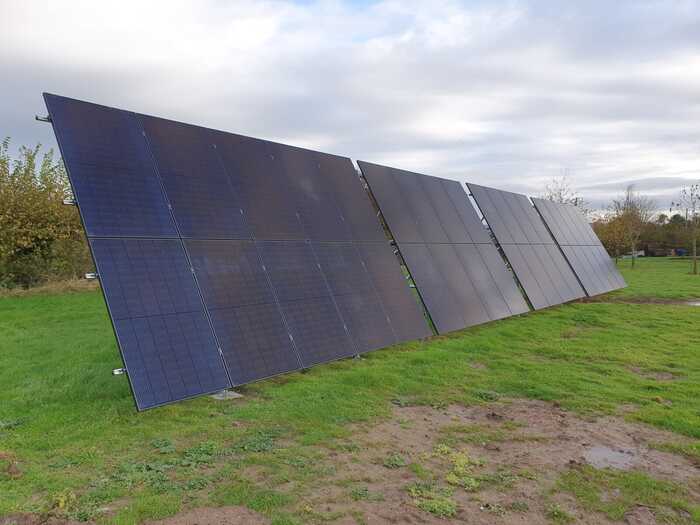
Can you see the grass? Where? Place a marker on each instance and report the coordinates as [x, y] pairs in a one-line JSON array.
[[614, 493], [75, 445]]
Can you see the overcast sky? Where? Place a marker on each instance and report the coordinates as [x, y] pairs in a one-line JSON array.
[[508, 94]]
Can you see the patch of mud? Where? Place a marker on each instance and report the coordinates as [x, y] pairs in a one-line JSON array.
[[215, 516], [606, 457], [640, 515], [519, 450]]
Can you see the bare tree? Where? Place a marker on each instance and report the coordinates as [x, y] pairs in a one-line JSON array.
[[689, 202], [633, 211], [559, 190]]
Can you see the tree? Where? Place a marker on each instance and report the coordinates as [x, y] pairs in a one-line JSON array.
[[633, 211], [40, 238], [689, 202], [559, 190], [609, 230]]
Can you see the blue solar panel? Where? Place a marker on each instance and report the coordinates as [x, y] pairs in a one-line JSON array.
[[166, 341], [111, 170], [204, 202], [226, 259]]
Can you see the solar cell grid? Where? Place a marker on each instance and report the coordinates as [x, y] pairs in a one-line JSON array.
[[111, 171], [583, 250], [199, 190], [438, 232], [204, 238], [167, 344], [529, 247]]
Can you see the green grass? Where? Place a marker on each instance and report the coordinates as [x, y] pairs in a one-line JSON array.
[[70, 427], [614, 493], [659, 278]]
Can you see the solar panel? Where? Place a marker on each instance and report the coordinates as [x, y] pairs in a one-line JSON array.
[[226, 259], [168, 347], [581, 247], [531, 251], [460, 275]]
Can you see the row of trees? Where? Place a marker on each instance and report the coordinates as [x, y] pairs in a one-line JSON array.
[[631, 224], [40, 238]]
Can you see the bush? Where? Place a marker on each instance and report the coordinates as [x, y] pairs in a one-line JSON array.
[[41, 239]]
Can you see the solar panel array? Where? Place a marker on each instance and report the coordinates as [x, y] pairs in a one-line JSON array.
[[458, 271], [581, 247], [532, 253], [225, 259]]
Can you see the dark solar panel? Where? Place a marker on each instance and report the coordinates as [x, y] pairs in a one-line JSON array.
[[166, 341], [243, 307], [446, 248], [206, 239], [204, 201], [399, 304], [530, 249], [581, 247], [111, 170]]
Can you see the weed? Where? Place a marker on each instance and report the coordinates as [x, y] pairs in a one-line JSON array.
[[359, 493], [163, 446], [394, 460], [259, 441], [433, 499], [558, 515], [202, 454], [487, 395], [518, 506], [493, 508], [420, 471]]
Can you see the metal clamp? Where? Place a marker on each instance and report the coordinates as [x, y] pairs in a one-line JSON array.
[[119, 371], [91, 276], [42, 119], [69, 201]]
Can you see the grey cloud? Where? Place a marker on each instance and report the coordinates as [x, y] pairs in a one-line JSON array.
[[508, 93]]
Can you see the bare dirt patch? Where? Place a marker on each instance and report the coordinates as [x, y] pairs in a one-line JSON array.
[[215, 516], [656, 375], [9, 467], [494, 463]]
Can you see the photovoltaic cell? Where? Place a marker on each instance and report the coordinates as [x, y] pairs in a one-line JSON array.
[[531, 251], [457, 269], [111, 171], [581, 247], [168, 347], [205, 203], [226, 259]]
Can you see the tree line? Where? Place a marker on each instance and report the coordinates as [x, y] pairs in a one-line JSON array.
[[41, 238]]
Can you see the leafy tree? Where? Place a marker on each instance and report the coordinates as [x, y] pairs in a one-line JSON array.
[[633, 211], [40, 237], [610, 231], [690, 202]]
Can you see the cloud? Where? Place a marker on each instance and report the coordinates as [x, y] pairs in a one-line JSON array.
[[507, 93]]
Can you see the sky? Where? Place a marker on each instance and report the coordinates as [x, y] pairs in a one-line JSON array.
[[504, 93]]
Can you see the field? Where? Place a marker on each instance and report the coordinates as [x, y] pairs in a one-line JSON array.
[[587, 412]]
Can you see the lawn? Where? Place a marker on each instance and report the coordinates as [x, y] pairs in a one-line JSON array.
[[72, 445]]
